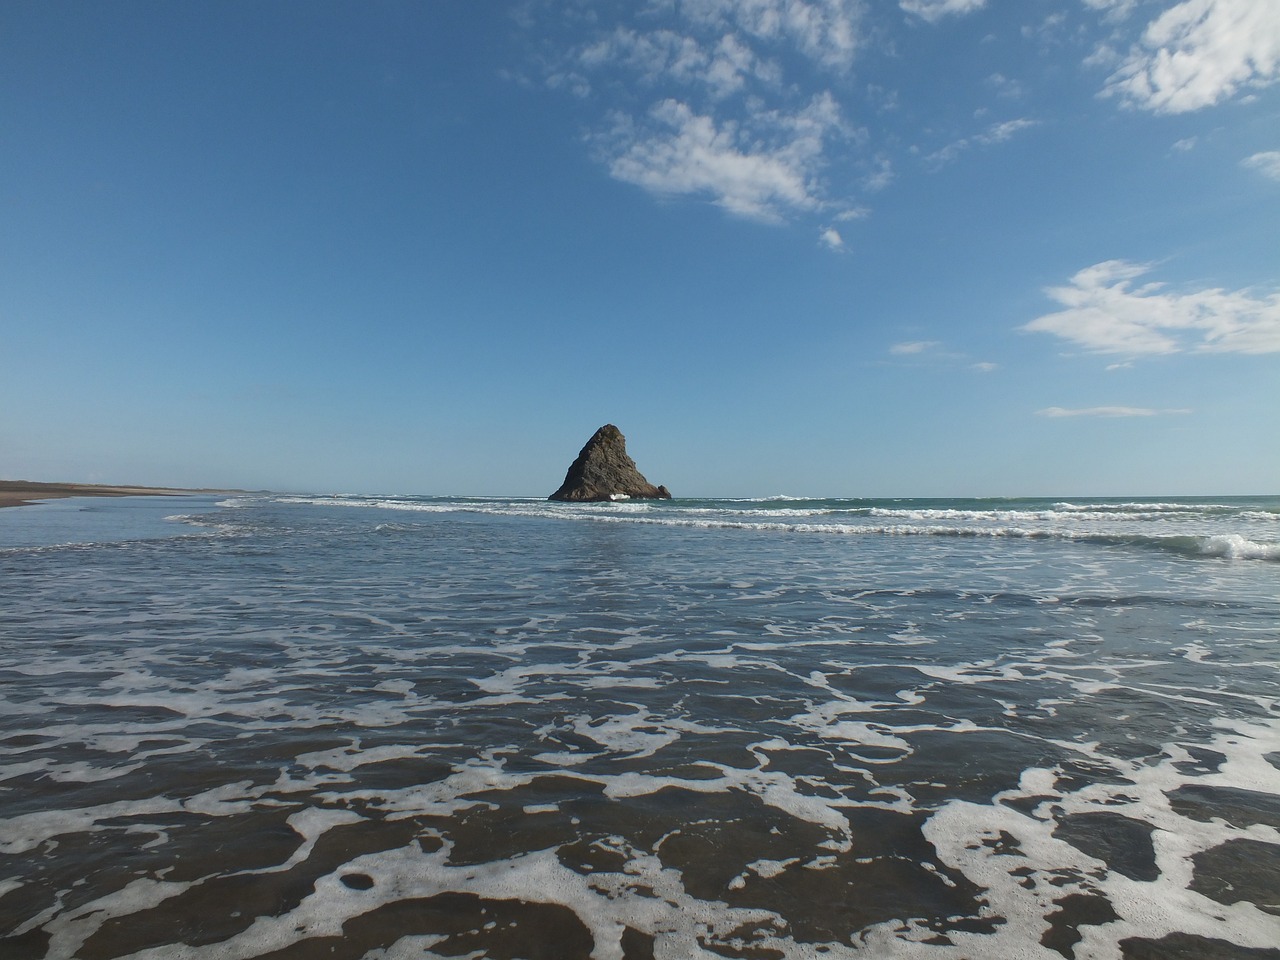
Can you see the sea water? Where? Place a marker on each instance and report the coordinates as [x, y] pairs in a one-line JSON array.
[[391, 727]]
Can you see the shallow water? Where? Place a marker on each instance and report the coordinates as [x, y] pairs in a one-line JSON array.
[[298, 727]]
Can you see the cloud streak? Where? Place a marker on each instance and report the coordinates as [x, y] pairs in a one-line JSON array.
[[1058, 412], [994, 134], [1105, 314], [933, 10], [912, 347]]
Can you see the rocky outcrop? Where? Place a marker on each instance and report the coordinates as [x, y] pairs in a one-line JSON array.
[[603, 471]]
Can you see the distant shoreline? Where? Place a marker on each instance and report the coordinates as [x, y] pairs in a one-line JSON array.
[[19, 493]]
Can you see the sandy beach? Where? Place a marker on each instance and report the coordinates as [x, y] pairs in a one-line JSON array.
[[16, 493]]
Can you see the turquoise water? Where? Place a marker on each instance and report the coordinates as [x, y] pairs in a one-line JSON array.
[[376, 727]]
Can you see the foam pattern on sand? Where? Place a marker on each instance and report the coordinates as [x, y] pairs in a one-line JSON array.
[[329, 732]]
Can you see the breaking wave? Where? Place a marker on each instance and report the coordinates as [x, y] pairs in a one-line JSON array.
[[1191, 529]]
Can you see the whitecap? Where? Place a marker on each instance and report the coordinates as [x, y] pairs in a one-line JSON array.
[[1235, 547]]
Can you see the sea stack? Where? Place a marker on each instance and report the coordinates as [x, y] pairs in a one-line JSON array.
[[603, 471]]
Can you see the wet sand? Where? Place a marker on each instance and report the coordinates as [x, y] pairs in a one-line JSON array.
[[17, 493]]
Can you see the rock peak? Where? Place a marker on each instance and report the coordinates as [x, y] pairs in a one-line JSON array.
[[603, 471]]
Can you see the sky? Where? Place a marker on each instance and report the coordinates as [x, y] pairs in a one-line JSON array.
[[790, 247]]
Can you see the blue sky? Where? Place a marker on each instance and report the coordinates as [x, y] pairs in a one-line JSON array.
[[806, 247]]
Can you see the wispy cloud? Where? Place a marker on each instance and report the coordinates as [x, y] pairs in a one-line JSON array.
[[1104, 315], [1107, 412], [1000, 132], [935, 354], [1198, 53], [994, 134], [932, 10], [1114, 9], [1005, 87], [721, 68], [880, 176], [824, 31], [912, 347], [831, 237], [1267, 163]]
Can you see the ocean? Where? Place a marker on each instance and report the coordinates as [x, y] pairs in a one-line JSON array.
[[377, 728]]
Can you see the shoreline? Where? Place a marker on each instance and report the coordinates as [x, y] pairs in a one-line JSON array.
[[22, 493]]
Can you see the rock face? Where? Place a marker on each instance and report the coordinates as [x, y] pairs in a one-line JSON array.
[[603, 471]]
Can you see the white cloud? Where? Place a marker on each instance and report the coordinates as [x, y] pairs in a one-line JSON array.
[[1104, 315], [683, 152], [1106, 412], [715, 116], [831, 237], [1199, 52], [932, 10], [914, 347], [1185, 145], [986, 366], [1267, 163]]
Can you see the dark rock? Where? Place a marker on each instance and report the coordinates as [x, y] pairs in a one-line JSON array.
[[603, 471]]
